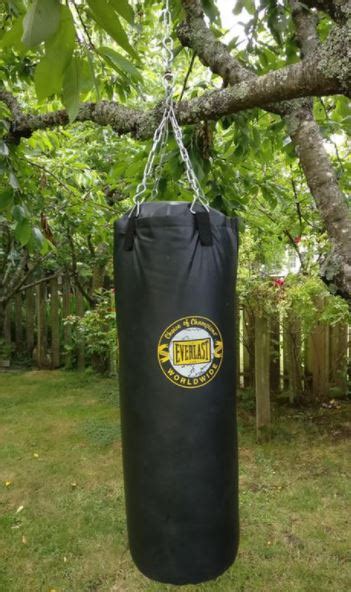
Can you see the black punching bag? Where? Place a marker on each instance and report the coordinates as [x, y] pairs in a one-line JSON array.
[[175, 275]]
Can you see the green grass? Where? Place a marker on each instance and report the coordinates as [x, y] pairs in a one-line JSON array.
[[60, 450]]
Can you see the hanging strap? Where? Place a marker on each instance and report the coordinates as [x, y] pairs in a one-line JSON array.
[[203, 225], [130, 233]]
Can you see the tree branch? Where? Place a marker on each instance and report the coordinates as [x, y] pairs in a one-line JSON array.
[[326, 72], [40, 281], [15, 285], [338, 10]]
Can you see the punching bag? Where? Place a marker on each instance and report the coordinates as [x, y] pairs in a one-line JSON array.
[[175, 273]]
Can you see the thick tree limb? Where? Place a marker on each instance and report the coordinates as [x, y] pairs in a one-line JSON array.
[[338, 10], [12, 104], [326, 72], [305, 27], [323, 184]]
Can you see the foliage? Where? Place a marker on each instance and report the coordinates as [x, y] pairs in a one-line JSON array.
[[97, 328], [308, 299], [266, 287]]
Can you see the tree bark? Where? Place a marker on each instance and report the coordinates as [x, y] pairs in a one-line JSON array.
[[338, 10]]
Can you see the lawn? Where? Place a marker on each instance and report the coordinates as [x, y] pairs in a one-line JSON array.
[[62, 522]]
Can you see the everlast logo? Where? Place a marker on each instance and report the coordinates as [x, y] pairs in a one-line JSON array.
[[190, 351]]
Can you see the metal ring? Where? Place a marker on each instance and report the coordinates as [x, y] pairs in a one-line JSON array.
[[137, 206]]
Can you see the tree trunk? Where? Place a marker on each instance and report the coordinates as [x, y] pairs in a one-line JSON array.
[[330, 200]]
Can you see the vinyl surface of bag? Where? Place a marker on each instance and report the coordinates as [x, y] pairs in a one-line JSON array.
[[176, 325]]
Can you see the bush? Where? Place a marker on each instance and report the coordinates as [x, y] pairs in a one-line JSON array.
[[97, 329]]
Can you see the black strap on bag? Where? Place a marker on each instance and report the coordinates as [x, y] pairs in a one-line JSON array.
[[203, 225], [130, 233]]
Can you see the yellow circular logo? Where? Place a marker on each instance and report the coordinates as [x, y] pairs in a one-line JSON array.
[[190, 351]]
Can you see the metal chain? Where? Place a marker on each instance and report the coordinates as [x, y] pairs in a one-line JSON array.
[[162, 159], [160, 136]]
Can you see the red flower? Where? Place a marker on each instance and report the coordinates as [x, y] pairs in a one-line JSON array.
[[279, 282]]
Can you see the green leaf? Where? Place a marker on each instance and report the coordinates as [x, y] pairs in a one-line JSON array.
[[117, 61], [211, 10], [38, 235], [19, 213], [13, 180], [86, 76], [41, 21], [23, 231], [71, 89], [106, 17], [4, 149], [12, 38], [92, 71], [48, 77], [124, 9], [343, 107], [239, 5], [6, 200]]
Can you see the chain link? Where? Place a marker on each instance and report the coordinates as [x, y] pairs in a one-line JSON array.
[[160, 137]]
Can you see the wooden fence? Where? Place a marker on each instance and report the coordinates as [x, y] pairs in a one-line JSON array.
[[276, 356], [34, 328], [273, 356]]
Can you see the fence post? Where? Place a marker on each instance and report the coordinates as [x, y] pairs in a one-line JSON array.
[[286, 371], [262, 371], [293, 343], [7, 324], [275, 353], [30, 320], [319, 359], [55, 323], [66, 311], [18, 322], [249, 347], [237, 342], [41, 323], [338, 357], [80, 313], [308, 379]]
